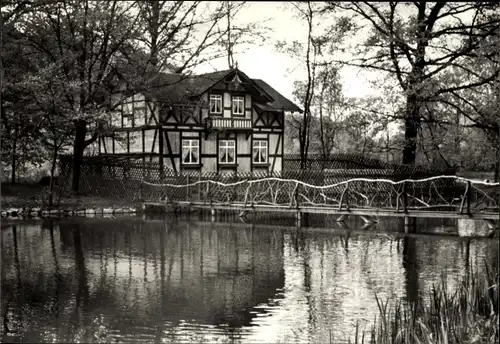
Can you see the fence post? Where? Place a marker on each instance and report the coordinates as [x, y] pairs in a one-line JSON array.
[[468, 196], [199, 187], [207, 192], [405, 198], [296, 195], [187, 188], [347, 196], [298, 214]]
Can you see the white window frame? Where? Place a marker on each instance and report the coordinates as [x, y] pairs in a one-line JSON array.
[[217, 98], [227, 145], [191, 144], [260, 145], [238, 100]]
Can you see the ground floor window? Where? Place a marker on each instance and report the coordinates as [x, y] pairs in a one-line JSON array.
[[190, 151], [259, 151], [227, 151]]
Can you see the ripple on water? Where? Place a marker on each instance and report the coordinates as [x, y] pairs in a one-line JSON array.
[[139, 281]]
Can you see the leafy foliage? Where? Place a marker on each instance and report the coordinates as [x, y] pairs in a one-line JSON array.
[[423, 46], [72, 53]]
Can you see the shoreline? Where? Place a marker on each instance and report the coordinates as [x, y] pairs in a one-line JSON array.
[[22, 212], [30, 200]]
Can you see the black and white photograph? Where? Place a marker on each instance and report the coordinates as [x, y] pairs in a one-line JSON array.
[[250, 172]]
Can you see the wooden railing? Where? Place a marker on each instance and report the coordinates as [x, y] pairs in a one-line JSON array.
[[441, 193], [330, 191], [231, 123]]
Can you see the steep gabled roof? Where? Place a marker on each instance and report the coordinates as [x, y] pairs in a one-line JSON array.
[[199, 84], [280, 102], [180, 88]]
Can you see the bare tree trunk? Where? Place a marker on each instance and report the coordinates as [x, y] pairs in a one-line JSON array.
[[309, 92], [387, 145], [413, 101], [457, 139], [411, 130], [78, 149], [80, 125], [52, 172], [230, 59], [321, 124], [14, 158], [497, 162]]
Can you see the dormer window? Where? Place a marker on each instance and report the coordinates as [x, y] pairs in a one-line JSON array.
[[216, 104], [238, 105]]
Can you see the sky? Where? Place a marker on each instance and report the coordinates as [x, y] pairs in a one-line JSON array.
[[277, 69]]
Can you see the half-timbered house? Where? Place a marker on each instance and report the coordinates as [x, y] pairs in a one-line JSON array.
[[217, 122]]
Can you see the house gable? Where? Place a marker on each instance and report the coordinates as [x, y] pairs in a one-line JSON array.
[[176, 127]]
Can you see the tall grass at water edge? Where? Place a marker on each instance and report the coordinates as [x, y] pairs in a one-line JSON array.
[[467, 315]]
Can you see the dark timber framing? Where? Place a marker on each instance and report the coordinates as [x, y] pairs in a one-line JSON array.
[[148, 125]]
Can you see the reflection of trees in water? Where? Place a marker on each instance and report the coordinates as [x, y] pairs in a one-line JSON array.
[[411, 269], [215, 272], [152, 273], [339, 274], [11, 292], [37, 298]]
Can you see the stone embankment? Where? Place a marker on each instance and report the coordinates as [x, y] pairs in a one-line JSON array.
[[39, 212]]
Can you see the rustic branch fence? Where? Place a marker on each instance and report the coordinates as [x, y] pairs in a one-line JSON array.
[[435, 193], [392, 189]]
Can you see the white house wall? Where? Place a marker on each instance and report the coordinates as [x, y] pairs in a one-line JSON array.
[[243, 153], [227, 103], [141, 138], [134, 105], [135, 142], [149, 136], [120, 143]]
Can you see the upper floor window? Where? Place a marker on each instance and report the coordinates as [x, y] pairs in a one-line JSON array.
[[238, 105], [227, 151], [127, 120], [216, 103], [190, 151], [259, 152]]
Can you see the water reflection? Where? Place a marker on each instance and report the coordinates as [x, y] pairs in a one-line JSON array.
[[188, 280]]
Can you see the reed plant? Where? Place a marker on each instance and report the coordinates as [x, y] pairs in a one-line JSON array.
[[467, 315]]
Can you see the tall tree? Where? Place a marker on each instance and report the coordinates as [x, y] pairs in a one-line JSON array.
[[307, 53], [19, 127], [48, 108], [330, 105], [87, 41], [416, 42], [82, 41], [326, 109], [181, 35]]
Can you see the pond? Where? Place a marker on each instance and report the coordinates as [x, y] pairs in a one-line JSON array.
[[188, 279]]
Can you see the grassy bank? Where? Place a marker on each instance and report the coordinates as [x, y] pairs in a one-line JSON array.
[[36, 195], [467, 316]]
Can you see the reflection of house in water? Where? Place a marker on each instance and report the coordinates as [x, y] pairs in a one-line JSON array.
[[151, 280], [182, 271]]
